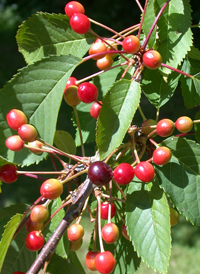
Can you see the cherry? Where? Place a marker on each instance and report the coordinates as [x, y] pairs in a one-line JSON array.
[[98, 47], [123, 173], [39, 214], [162, 155], [73, 7], [87, 92], [89, 260], [8, 173], [18, 272], [110, 48], [15, 118], [27, 132], [105, 262], [104, 210], [124, 232], [105, 62], [34, 145], [79, 23], [95, 109], [74, 246], [184, 124], [31, 226], [146, 126], [34, 241], [14, 143], [110, 233], [174, 216], [71, 82], [75, 232], [165, 127], [51, 189], [99, 173], [71, 96], [131, 44], [152, 59], [144, 171]]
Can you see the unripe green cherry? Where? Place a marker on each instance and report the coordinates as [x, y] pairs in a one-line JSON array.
[[146, 126], [71, 97], [39, 214]]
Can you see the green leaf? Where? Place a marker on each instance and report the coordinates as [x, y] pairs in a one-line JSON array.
[[37, 90], [46, 34], [148, 225], [175, 35], [18, 257], [65, 142], [180, 178], [118, 109], [149, 18], [159, 89]]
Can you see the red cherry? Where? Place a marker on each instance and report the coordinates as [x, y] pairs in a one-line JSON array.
[[184, 124], [98, 47], [73, 7], [123, 173], [75, 232], [74, 246], [8, 173], [105, 62], [124, 232], [105, 208], [162, 155], [51, 189], [100, 173], [95, 109], [39, 214], [89, 260], [34, 145], [34, 241], [105, 262], [131, 44], [144, 171], [71, 82], [15, 118], [27, 133], [165, 127], [31, 226], [87, 92], [110, 233], [18, 272], [71, 96], [79, 23], [152, 59], [146, 126], [14, 143]]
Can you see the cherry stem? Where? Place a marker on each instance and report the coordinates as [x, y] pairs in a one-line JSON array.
[[79, 130], [154, 143], [154, 24], [135, 152], [184, 134], [99, 222], [177, 70], [69, 178], [53, 162], [27, 173], [95, 233], [119, 188], [128, 30], [139, 5], [82, 212], [141, 113], [196, 121], [32, 176], [112, 198], [142, 20], [110, 201]]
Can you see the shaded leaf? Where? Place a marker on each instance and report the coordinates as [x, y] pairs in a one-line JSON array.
[[197, 127], [148, 21], [65, 142]]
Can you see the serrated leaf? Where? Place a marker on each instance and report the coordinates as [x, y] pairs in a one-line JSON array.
[[65, 142], [148, 225], [175, 35], [46, 34], [37, 90], [18, 257], [118, 109], [180, 178], [149, 18]]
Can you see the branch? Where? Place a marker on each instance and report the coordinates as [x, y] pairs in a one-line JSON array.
[[74, 211]]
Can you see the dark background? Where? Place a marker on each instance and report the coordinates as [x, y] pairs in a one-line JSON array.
[[116, 14]]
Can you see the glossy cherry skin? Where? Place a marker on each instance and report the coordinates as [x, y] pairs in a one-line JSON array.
[[73, 7], [105, 262], [51, 189], [71, 96], [123, 173], [165, 127], [27, 133], [8, 173], [89, 260], [146, 126], [18, 272], [39, 214], [34, 241], [87, 92], [31, 226], [75, 232], [131, 44], [110, 233], [95, 109], [174, 216], [184, 124], [144, 171], [15, 118], [124, 232], [74, 246], [98, 47], [79, 23], [99, 173], [105, 209], [105, 62], [152, 59], [162, 155], [14, 143], [71, 82]]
